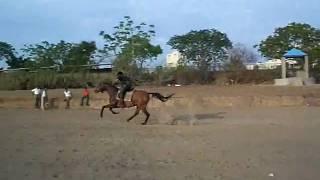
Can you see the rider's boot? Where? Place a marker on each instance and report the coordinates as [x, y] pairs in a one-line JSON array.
[[121, 103]]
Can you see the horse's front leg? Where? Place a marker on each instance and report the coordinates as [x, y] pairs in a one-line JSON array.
[[102, 109], [113, 104], [111, 109], [128, 104]]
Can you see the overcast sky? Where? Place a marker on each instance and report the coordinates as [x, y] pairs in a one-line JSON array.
[[245, 21]]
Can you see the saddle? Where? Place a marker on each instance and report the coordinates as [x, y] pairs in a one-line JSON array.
[[127, 96]]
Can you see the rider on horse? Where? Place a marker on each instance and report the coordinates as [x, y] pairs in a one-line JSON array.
[[126, 85]]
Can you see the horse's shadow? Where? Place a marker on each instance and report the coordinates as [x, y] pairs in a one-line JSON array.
[[205, 118], [217, 115]]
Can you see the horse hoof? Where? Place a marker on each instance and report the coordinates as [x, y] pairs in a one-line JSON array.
[[143, 123]]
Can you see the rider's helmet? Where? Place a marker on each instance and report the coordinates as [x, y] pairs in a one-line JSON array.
[[119, 74]]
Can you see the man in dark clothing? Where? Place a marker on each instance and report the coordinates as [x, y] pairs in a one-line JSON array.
[[126, 85]]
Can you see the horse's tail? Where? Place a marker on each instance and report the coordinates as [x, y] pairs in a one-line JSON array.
[[160, 97]]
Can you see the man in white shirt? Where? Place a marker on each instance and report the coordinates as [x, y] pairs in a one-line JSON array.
[[67, 97], [37, 94]]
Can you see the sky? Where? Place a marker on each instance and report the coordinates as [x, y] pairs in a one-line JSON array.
[[245, 21]]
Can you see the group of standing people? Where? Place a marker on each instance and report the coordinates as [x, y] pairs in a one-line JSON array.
[[41, 97], [126, 85]]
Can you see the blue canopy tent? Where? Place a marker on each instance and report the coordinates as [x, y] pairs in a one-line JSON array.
[[295, 53]]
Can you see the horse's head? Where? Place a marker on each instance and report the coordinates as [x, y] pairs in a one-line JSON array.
[[105, 87], [99, 89]]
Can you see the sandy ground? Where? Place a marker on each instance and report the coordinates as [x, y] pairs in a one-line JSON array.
[[225, 143], [185, 96], [196, 90]]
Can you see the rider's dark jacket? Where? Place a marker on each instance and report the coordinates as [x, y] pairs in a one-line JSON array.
[[126, 85]]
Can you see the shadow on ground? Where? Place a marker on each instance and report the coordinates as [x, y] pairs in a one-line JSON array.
[[196, 119]]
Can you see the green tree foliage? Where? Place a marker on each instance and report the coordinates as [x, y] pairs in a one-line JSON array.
[[294, 35], [7, 52], [47, 54], [202, 48], [124, 63], [130, 43], [62, 54], [10, 56], [68, 56], [142, 50], [80, 54]]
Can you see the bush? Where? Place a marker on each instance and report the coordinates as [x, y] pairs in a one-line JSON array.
[[161, 76], [50, 79], [180, 75], [247, 77]]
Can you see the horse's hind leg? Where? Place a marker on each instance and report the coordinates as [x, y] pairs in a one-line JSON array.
[[147, 114], [134, 115]]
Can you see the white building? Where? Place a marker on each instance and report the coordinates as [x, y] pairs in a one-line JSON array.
[[270, 64], [251, 66], [173, 59]]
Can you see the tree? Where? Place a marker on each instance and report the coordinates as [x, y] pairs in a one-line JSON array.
[[7, 52], [202, 48], [239, 55], [124, 63], [142, 50], [80, 54], [130, 43], [294, 35], [61, 54], [10, 56], [243, 54], [45, 54]]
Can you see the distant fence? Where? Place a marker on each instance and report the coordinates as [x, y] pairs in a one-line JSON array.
[[104, 67]]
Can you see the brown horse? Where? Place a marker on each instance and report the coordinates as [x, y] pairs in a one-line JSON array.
[[139, 99]]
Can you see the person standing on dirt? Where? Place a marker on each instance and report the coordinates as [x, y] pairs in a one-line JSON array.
[[37, 95], [67, 97], [44, 98], [126, 85], [85, 95]]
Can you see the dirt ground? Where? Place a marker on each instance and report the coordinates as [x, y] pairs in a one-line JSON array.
[[223, 143], [197, 90], [185, 96]]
